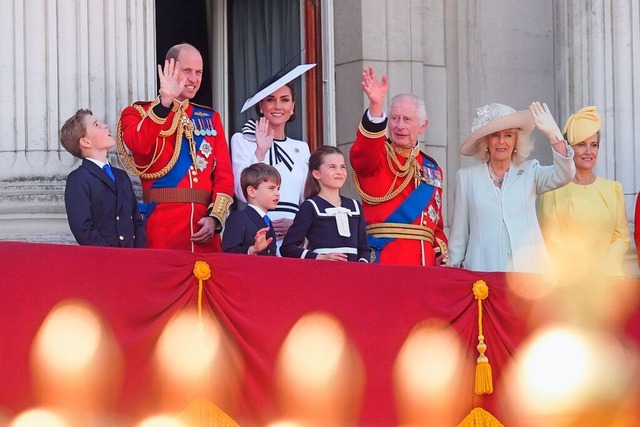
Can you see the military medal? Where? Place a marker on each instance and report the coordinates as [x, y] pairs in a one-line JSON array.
[[433, 215], [205, 149], [427, 175], [201, 163], [211, 131], [431, 176]]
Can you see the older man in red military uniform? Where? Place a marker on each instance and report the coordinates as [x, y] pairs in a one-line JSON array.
[[180, 152], [401, 187]]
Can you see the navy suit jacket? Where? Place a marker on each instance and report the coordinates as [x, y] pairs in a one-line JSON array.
[[240, 231], [102, 212]]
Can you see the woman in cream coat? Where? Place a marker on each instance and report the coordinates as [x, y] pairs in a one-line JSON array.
[[494, 226]]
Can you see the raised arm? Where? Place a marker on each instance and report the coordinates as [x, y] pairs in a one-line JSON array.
[[545, 122], [375, 90]]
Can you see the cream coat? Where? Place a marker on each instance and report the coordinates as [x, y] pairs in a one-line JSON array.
[[476, 241]]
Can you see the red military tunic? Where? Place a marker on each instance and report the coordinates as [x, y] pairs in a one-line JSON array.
[[372, 160], [200, 181]]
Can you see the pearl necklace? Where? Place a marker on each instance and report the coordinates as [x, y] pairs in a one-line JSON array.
[[496, 181]]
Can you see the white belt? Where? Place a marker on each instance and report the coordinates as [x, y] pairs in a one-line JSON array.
[[343, 250]]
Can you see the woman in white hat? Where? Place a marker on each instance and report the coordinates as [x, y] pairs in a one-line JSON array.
[[585, 222], [266, 141], [495, 227]]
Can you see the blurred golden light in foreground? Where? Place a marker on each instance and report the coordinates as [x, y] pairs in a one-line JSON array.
[[186, 348], [313, 348], [568, 377], [38, 418], [556, 368], [427, 376], [194, 360], [75, 362], [530, 287], [319, 375], [161, 421], [68, 339]]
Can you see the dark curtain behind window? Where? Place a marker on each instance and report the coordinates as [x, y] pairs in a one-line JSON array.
[[264, 36], [185, 21]]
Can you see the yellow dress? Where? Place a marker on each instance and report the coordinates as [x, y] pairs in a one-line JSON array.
[[585, 227]]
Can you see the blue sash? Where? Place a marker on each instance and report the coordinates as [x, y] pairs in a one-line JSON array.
[[181, 167], [407, 212]]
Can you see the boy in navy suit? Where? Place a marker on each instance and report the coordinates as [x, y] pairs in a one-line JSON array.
[[249, 231], [102, 208]]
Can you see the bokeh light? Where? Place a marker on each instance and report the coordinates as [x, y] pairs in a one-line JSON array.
[[38, 417], [566, 376], [75, 361], [428, 376], [161, 421], [319, 376]]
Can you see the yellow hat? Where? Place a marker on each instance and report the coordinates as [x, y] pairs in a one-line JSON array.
[[582, 125]]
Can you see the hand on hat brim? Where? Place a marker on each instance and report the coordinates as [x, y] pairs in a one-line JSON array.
[[521, 120]]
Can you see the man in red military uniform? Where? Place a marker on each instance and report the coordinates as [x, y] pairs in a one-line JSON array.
[[401, 187], [180, 152]]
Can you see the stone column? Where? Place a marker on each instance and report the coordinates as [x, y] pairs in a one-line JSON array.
[[57, 57], [389, 36], [597, 53]]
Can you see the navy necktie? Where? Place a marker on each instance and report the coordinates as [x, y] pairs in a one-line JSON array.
[[267, 220], [109, 172]]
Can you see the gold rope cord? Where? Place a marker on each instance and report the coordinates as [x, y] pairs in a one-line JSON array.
[[127, 161], [410, 170]]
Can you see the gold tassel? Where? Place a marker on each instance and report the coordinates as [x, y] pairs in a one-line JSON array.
[[478, 417], [202, 271], [203, 413], [484, 377]]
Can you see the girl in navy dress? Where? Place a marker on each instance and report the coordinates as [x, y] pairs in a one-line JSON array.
[[327, 226]]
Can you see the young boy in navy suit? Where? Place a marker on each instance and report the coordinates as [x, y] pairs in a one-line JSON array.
[[249, 231], [102, 208]]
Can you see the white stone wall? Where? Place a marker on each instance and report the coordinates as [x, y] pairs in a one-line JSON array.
[[57, 57]]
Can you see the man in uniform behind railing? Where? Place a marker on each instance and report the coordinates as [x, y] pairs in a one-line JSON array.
[[400, 187]]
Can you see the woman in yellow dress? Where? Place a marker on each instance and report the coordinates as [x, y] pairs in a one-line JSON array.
[[584, 223]]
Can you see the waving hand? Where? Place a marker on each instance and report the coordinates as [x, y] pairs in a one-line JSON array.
[[171, 83], [375, 90]]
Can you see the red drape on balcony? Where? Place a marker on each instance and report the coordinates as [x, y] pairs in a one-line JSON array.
[[258, 300]]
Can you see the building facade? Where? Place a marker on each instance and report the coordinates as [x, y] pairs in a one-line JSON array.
[[61, 55]]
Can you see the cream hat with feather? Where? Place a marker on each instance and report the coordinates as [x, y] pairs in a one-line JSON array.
[[493, 118]]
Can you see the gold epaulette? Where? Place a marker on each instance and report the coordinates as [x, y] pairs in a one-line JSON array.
[[219, 209], [204, 107], [147, 110], [177, 127], [372, 135]]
